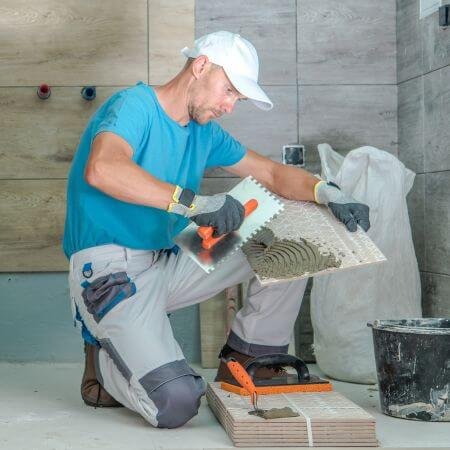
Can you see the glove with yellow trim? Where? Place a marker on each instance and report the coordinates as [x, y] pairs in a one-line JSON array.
[[220, 211], [343, 206]]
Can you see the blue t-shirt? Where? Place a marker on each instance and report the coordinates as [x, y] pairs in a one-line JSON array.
[[167, 150]]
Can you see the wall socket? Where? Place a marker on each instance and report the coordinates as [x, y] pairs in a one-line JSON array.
[[294, 155], [444, 15]]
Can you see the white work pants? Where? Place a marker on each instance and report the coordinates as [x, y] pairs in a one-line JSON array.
[[122, 296]]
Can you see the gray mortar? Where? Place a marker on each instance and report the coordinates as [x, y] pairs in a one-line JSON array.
[[271, 257], [274, 413]]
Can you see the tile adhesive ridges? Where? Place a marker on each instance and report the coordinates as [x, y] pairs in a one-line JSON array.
[[271, 257]]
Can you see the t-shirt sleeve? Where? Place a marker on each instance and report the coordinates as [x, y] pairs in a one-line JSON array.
[[126, 116], [225, 150]]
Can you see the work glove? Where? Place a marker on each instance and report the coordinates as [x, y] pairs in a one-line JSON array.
[[343, 206], [220, 211]]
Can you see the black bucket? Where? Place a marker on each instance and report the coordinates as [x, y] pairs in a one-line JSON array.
[[413, 366]]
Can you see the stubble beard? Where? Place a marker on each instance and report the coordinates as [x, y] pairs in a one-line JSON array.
[[196, 114]]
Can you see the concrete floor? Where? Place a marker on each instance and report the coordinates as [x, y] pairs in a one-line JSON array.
[[40, 408]]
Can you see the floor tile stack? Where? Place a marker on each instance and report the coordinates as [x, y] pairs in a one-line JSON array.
[[325, 419]]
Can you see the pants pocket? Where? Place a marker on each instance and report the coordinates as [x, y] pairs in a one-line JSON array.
[[104, 293]]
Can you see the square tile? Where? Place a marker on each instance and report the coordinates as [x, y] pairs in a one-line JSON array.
[[211, 186], [32, 225], [436, 302], [409, 40], [436, 43], [347, 117], [171, 26], [437, 222], [39, 138], [410, 124], [73, 43], [268, 24], [416, 209], [264, 131], [437, 120], [346, 42]]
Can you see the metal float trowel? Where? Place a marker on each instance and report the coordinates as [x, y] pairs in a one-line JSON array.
[[208, 252]]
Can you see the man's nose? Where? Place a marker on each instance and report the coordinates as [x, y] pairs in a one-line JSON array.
[[229, 106]]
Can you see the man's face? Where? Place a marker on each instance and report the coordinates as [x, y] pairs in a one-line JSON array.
[[212, 96]]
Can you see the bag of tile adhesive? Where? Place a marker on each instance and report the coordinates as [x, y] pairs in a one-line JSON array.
[[344, 302]]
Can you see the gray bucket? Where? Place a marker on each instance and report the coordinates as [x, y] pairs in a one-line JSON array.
[[413, 367]]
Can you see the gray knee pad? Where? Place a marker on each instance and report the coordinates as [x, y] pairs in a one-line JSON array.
[[178, 400]]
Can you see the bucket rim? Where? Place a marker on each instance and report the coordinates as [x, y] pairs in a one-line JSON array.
[[420, 325]]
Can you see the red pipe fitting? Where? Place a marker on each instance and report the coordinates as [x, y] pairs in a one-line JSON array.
[[44, 91]]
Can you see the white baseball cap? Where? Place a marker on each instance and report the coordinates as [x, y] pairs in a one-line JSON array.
[[239, 60]]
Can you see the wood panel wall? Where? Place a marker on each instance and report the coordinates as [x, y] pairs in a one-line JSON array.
[[67, 45]]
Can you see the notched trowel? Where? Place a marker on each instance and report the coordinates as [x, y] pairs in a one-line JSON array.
[[260, 205]]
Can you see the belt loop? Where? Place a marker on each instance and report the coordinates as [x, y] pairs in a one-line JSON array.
[[127, 254]]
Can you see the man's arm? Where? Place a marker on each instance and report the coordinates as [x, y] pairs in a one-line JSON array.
[[111, 170], [298, 184], [287, 181]]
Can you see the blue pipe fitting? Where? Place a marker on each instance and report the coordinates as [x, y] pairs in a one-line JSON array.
[[88, 92]]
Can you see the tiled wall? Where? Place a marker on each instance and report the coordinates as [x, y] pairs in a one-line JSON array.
[[67, 44], [423, 66], [329, 67]]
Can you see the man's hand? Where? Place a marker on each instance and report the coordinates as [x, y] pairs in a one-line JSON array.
[[343, 206], [220, 211]]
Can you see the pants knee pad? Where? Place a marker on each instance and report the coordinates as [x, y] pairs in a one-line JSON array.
[[178, 400]]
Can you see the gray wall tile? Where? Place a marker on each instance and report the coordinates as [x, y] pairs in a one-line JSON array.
[[211, 186], [437, 120], [264, 131], [416, 210], [409, 40], [423, 51], [436, 43], [436, 300], [268, 24], [410, 124], [437, 222], [347, 117], [346, 42]]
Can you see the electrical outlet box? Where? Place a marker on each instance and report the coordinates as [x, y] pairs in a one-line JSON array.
[[444, 16], [428, 7], [294, 155]]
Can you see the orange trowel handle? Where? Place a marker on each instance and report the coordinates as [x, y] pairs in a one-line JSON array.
[[242, 377], [206, 232]]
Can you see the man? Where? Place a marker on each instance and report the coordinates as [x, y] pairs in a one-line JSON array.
[[132, 187]]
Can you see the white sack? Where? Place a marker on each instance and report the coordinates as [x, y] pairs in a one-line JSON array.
[[343, 303]]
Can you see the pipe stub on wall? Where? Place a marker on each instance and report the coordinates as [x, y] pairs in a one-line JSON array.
[[44, 91], [88, 92]]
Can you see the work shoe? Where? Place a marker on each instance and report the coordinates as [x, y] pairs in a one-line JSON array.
[[224, 374], [92, 392]]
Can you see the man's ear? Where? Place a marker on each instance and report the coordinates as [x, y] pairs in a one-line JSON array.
[[200, 66]]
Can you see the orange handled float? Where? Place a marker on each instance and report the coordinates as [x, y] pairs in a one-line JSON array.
[[206, 232]]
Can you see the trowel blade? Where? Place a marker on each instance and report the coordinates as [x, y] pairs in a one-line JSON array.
[[268, 207]]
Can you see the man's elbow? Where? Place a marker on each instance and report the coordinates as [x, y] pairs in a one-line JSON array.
[[93, 173]]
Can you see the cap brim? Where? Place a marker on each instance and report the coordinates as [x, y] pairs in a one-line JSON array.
[[251, 90]]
